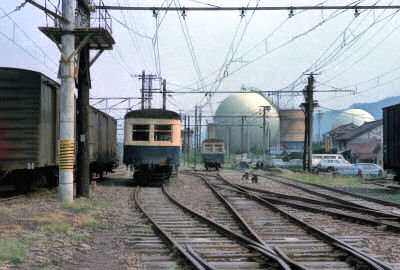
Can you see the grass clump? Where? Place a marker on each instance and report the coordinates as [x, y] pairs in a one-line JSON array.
[[78, 206], [89, 221], [12, 250], [390, 197], [321, 179], [78, 237], [56, 227]]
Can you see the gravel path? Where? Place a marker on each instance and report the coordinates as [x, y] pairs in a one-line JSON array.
[[96, 233]]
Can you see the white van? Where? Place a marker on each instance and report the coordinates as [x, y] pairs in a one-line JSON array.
[[317, 157]]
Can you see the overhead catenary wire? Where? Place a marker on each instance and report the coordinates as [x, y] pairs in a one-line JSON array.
[[29, 38], [18, 8]]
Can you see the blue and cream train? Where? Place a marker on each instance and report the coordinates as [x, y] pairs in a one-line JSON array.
[[152, 142], [212, 152]]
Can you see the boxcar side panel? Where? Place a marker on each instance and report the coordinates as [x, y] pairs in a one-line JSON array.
[[391, 137], [102, 137], [93, 134], [19, 118], [48, 125]]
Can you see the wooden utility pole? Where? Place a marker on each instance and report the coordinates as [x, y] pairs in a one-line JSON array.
[[242, 136], [319, 117], [265, 109], [199, 143], [308, 108], [149, 91], [164, 95], [83, 168], [195, 134], [184, 143], [83, 176], [229, 142], [143, 87], [188, 144]]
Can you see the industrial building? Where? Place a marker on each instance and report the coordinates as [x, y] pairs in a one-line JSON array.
[[292, 128], [239, 121]]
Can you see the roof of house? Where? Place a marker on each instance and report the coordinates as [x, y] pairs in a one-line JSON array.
[[341, 129], [365, 150], [366, 127]]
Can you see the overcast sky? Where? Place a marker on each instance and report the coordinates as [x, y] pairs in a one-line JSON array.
[[269, 51]]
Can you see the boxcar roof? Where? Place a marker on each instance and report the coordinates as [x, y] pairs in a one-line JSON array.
[[391, 107], [153, 113], [10, 73], [212, 140]]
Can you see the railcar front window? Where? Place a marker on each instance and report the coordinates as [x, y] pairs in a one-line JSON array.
[[208, 148], [140, 132], [217, 148], [163, 133]]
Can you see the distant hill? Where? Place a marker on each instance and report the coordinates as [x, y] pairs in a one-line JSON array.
[[374, 108]]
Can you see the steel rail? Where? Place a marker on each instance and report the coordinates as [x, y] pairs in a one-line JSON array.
[[326, 196], [376, 219], [335, 205], [371, 261], [165, 236], [363, 220], [248, 228], [370, 199], [228, 232]]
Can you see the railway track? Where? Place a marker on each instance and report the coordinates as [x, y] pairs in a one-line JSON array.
[[335, 208], [351, 233], [339, 195], [202, 242]]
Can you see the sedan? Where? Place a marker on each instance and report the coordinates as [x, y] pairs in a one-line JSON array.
[[369, 170]]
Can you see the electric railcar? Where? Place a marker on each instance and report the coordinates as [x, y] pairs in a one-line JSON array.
[[152, 144], [212, 152]]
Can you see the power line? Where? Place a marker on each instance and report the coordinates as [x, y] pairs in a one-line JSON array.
[[27, 52], [263, 8], [29, 38], [18, 8]]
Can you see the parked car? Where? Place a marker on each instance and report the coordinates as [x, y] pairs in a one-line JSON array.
[[317, 157], [295, 164], [275, 162], [331, 165], [369, 170]]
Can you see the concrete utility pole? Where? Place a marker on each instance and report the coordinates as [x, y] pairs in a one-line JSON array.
[[164, 95], [143, 87], [67, 117], [265, 109], [308, 107]]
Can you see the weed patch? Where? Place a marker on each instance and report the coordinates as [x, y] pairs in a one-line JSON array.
[[321, 179], [81, 206], [89, 221], [12, 250], [56, 227]]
